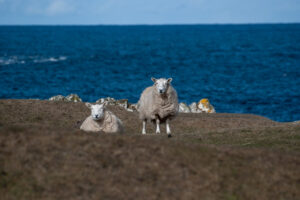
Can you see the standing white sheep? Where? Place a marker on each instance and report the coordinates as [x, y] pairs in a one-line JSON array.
[[158, 103], [101, 120]]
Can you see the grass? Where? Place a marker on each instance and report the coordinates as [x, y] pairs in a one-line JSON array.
[[43, 155], [287, 138]]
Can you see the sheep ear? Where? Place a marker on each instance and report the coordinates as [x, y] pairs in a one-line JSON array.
[[169, 80], [153, 79], [88, 105]]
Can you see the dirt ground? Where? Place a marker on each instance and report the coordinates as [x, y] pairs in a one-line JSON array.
[[44, 155]]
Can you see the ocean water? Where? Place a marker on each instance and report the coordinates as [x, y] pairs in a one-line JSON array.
[[239, 68]]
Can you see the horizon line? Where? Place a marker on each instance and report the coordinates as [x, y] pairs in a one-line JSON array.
[[162, 24]]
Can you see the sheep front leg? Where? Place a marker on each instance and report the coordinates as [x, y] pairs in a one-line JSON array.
[[168, 128], [157, 126], [144, 127]]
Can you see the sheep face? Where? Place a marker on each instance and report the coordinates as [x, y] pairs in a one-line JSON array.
[[161, 84], [97, 111]]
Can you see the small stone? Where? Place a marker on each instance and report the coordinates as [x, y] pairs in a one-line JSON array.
[[107, 101], [183, 108], [122, 103], [133, 107], [100, 101], [193, 107], [73, 98], [57, 98], [205, 106]]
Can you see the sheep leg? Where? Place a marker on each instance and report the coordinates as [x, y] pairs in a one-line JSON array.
[[144, 127], [157, 126], [168, 128]]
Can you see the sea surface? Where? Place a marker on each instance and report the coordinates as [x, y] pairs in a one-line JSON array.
[[239, 68]]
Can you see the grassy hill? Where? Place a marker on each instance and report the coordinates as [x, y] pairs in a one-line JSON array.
[[44, 155]]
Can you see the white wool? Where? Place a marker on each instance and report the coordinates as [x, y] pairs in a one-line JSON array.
[[101, 120], [152, 104]]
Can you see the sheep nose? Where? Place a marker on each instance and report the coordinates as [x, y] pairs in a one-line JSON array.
[[96, 116], [160, 91]]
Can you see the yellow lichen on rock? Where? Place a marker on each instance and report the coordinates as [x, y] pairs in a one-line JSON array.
[[205, 106], [204, 101]]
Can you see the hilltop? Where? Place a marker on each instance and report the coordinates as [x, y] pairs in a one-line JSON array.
[[44, 155]]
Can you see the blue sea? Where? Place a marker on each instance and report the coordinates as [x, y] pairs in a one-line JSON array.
[[239, 68]]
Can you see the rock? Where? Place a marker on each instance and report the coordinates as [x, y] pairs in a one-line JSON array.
[[57, 98], [183, 108], [193, 107], [73, 98], [101, 100], [107, 101], [122, 103], [133, 107], [129, 110], [205, 106]]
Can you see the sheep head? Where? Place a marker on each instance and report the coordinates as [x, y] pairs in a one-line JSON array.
[[97, 111], [161, 84]]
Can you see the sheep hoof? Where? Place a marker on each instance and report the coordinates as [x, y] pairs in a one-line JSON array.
[[169, 135]]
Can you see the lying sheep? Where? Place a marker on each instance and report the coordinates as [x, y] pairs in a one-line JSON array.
[[158, 103], [101, 120]]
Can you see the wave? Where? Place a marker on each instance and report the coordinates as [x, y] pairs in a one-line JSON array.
[[51, 59], [11, 60], [22, 59]]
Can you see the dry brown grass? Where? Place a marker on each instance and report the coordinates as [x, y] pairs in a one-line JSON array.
[[43, 155]]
